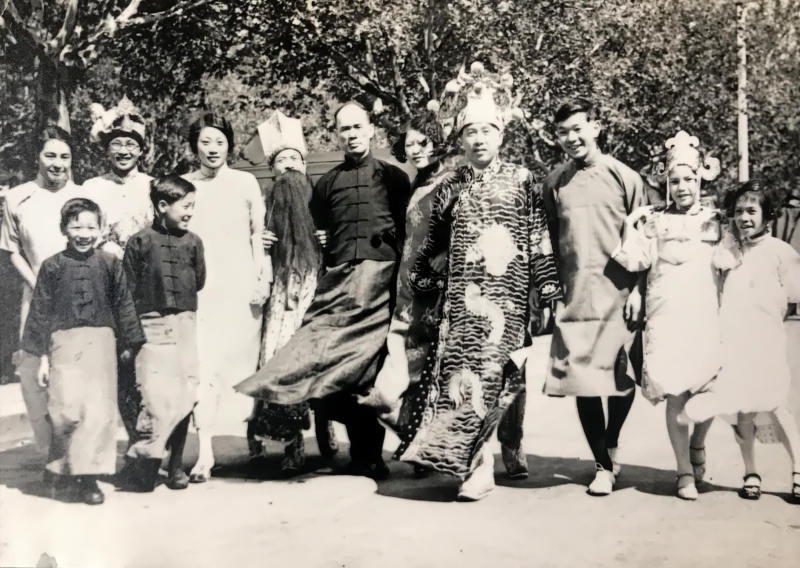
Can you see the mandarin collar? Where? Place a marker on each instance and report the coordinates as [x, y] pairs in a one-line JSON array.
[[74, 254], [164, 230], [491, 169], [357, 162], [113, 176], [426, 173], [756, 239]]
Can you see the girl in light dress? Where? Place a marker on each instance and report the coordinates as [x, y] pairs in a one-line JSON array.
[[676, 244], [760, 275]]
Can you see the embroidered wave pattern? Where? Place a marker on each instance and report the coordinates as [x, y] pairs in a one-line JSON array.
[[492, 264]]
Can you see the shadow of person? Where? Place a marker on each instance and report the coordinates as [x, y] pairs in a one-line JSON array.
[[544, 472]]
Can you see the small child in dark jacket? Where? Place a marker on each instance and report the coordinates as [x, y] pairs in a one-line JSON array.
[[81, 315], [165, 267]]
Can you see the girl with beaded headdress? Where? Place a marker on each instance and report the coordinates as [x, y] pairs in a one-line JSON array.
[[675, 244], [760, 275]]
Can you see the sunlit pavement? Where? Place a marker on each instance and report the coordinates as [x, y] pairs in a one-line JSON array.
[[250, 517]]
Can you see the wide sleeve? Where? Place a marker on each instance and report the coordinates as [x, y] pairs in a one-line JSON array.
[[9, 229], [636, 251], [399, 188], [199, 263], [543, 273], [129, 330], [635, 195], [258, 212], [790, 272], [318, 205], [36, 336], [421, 276], [132, 262], [551, 213]]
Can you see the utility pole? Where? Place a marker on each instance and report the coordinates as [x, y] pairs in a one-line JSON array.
[[741, 44]]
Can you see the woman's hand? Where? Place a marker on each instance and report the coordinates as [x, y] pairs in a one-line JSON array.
[[43, 374], [322, 237], [126, 355], [268, 238]]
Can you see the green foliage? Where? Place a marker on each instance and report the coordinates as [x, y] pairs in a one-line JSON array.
[[654, 68]]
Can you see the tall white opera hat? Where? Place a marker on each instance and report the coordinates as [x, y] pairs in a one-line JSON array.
[[278, 133]]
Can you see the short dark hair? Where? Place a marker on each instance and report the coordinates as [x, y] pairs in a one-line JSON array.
[[423, 123], [54, 132], [75, 207], [170, 188], [770, 200], [211, 120], [348, 104], [574, 106]]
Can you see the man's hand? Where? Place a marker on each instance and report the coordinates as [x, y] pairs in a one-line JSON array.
[[322, 237], [633, 309], [439, 262], [545, 319], [126, 355], [268, 238], [43, 374]]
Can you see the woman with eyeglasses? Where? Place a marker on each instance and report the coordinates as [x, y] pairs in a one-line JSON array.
[[123, 192]]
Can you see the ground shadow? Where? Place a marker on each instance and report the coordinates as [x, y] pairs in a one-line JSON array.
[[21, 468], [544, 472]]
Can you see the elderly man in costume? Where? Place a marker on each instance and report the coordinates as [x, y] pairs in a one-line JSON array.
[[123, 193], [490, 218], [336, 353], [296, 259]]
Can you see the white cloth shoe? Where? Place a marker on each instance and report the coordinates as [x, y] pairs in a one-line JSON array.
[[603, 483], [480, 482]]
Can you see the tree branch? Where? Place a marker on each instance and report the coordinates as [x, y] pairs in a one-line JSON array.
[[397, 80], [110, 26], [130, 10], [56, 44], [178, 9], [18, 29], [359, 77]]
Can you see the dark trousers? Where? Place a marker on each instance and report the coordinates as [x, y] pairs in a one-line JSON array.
[[509, 430], [365, 432], [176, 444]]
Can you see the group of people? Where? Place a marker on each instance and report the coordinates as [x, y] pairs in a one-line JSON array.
[[379, 303]]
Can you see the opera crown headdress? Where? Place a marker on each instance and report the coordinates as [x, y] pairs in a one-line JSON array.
[[477, 96], [121, 120], [683, 149]]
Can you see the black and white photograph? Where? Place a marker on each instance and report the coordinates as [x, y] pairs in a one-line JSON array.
[[399, 283]]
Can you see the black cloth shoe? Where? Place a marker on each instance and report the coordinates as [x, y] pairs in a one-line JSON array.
[[378, 470], [178, 479], [57, 486], [89, 491], [326, 438], [139, 475]]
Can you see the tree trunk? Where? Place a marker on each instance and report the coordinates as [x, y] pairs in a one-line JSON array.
[[53, 90]]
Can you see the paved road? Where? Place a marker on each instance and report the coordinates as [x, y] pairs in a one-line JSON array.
[[247, 517]]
